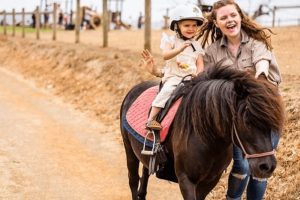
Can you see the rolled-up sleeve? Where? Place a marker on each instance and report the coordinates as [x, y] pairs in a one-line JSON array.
[[274, 73], [260, 52]]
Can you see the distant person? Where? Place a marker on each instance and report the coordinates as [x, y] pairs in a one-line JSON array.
[[118, 21], [71, 17], [85, 22], [140, 21], [66, 18], [46, 18], [33, 20], [183, 55], [60, 19]]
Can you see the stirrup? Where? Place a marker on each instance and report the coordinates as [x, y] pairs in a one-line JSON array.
[[152, 151]]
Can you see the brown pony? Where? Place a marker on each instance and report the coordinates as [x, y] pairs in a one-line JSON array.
[[220, 107]]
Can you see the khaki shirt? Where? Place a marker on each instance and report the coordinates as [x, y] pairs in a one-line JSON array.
[[249, 53]]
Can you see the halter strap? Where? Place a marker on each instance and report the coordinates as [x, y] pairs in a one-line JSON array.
[[255, 155]]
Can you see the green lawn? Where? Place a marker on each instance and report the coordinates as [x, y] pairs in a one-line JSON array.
[[19, 29]]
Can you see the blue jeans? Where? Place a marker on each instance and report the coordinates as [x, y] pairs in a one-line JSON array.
[[240, 177]]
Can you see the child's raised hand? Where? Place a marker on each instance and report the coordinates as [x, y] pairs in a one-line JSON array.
[[147, 57], [148, 62]]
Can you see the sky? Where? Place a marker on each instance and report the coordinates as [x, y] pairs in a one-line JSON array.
[[132, 8]]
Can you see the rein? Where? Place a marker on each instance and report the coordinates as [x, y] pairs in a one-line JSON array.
[[255, 155]]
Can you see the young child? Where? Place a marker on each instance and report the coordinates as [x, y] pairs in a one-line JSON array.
[[183, 55]]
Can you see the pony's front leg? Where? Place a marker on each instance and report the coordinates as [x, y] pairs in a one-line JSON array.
[[142, 192], [187, 188], [202, 189]]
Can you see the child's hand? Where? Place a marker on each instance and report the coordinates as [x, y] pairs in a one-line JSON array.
[[194, 75], [147, 58], [185, 45], [149, 64]]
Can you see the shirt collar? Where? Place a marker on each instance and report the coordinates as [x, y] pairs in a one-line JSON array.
[[244, 36]]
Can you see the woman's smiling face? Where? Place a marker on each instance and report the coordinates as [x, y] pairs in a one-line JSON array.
[[228, 20]]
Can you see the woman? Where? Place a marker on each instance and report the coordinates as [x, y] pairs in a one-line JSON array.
[[241, 43]]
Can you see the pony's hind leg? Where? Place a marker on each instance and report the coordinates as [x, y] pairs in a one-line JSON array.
[[133, 176], [133, 168], [142, 192]]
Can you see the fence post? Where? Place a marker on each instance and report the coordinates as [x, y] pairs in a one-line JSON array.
[[4, 23], [37, 22], [23, 23], [273, 20], [105, 24], [77, 22], [13, 22], [147, 36], [54, 13], [166, 20]]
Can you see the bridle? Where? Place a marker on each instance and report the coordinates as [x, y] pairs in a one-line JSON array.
[[255, 155]]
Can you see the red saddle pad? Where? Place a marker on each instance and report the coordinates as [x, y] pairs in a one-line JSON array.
[[137, 114]]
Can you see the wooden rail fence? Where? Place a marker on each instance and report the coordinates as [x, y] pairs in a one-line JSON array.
[[37, 25], [22, 24], [105, 22]]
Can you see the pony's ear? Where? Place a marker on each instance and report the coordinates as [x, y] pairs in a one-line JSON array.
[[241, 89]]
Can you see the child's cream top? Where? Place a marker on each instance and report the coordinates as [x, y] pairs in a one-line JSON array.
[[188, 57]]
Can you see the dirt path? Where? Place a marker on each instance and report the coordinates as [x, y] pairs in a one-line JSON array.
[[48, 150]]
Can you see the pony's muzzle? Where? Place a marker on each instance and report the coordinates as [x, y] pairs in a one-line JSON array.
[[262, 167]]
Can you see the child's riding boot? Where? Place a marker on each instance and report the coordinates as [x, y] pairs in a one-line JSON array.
[[153, 125]]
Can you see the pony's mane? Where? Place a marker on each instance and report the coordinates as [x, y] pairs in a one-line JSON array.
[[260, 104], [219, 94]]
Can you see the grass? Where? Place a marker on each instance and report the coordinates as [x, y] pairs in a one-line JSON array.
[[19, 29]]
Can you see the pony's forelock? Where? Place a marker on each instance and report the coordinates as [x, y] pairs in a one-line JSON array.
[[263, 106]]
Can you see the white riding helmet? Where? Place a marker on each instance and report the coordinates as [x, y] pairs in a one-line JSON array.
[[183, 12]]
